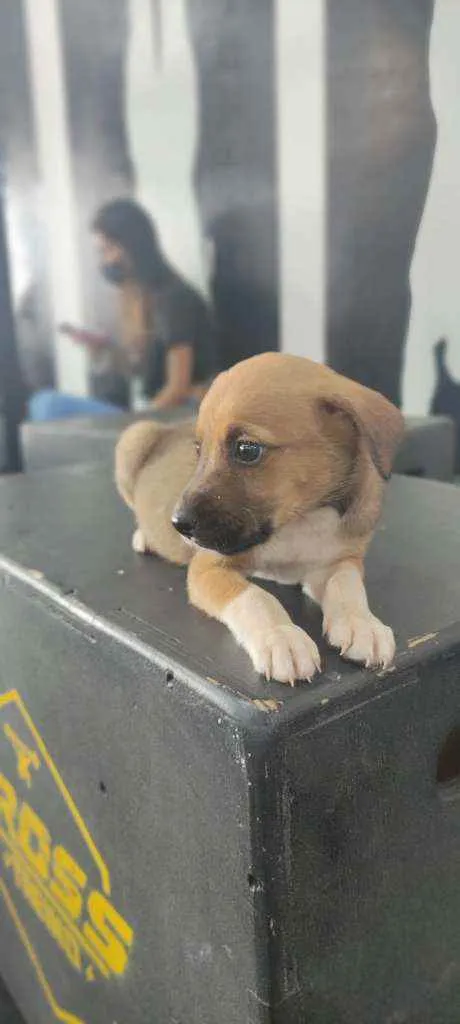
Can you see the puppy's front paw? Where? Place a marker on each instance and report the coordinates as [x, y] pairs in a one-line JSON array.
[[285, 653], [139, 543], [361, 638]]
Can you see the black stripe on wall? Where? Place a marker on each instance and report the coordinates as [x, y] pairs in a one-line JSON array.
[[236, 170], [380, 138]]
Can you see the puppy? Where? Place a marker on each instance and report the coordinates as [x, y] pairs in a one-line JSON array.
[[280, 477]]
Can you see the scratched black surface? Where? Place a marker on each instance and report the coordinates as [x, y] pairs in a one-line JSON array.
[[70, 525], [8, 1012], [321, 818]]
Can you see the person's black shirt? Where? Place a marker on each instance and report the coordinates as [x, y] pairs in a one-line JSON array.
[[180, 317]]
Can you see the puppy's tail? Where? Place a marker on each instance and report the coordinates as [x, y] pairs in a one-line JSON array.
[[133, 449]]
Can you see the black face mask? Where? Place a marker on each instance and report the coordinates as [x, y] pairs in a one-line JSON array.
[[114, 272]]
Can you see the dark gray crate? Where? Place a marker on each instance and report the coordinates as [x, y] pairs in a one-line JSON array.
[[427, 450], [8, 1011], [281, 856], [68, 442]]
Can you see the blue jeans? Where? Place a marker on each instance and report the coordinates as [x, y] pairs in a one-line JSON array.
[[52, 405]]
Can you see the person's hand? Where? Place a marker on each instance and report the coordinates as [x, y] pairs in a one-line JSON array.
[[89, 339], [168, 398], [179, 369]]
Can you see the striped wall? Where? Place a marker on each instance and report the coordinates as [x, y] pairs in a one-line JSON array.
[[300, 159]]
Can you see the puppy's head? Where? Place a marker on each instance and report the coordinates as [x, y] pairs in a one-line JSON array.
[[278, 436]]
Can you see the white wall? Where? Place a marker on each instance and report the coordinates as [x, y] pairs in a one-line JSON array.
[[302, 174], [435, 267], [162, 119], [48, 92], [162, 122]]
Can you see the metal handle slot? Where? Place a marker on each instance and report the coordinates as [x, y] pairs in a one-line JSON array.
[[448, 767]]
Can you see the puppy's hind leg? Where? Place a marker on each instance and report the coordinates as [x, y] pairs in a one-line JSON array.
[[132, 451], [278, 649]]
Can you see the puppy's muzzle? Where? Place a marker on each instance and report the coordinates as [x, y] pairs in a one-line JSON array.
[[208, 524]]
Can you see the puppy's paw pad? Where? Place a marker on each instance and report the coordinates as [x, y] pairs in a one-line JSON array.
[[286, 654], [362, 638], [139, 543]]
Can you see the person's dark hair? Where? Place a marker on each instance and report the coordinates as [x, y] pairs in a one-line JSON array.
[[125, 222]]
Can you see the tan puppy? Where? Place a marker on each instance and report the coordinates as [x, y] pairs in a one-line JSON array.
[[280, 477]]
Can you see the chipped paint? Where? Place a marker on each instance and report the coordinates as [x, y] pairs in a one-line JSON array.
[[416, 640], [199, 955], [239, 751], [270, 704], [386, 672]]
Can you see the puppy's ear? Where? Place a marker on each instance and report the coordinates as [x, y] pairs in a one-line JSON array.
[[378, 425], [132, 451]]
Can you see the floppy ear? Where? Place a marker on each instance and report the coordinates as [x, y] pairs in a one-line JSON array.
[[378, 424], [132, 451]]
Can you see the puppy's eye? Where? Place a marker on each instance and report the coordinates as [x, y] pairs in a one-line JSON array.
[[198, 447], [246, 451]]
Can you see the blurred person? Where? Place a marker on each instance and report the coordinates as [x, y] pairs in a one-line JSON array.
[[165, 356]]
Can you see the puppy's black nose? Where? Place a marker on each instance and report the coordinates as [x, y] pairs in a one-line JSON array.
[[183, 523]]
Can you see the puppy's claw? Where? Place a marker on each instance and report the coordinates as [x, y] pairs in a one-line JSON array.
[[363, 639], [286, 654]]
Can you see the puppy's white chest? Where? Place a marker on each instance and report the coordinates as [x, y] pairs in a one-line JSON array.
[[301, 547]]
